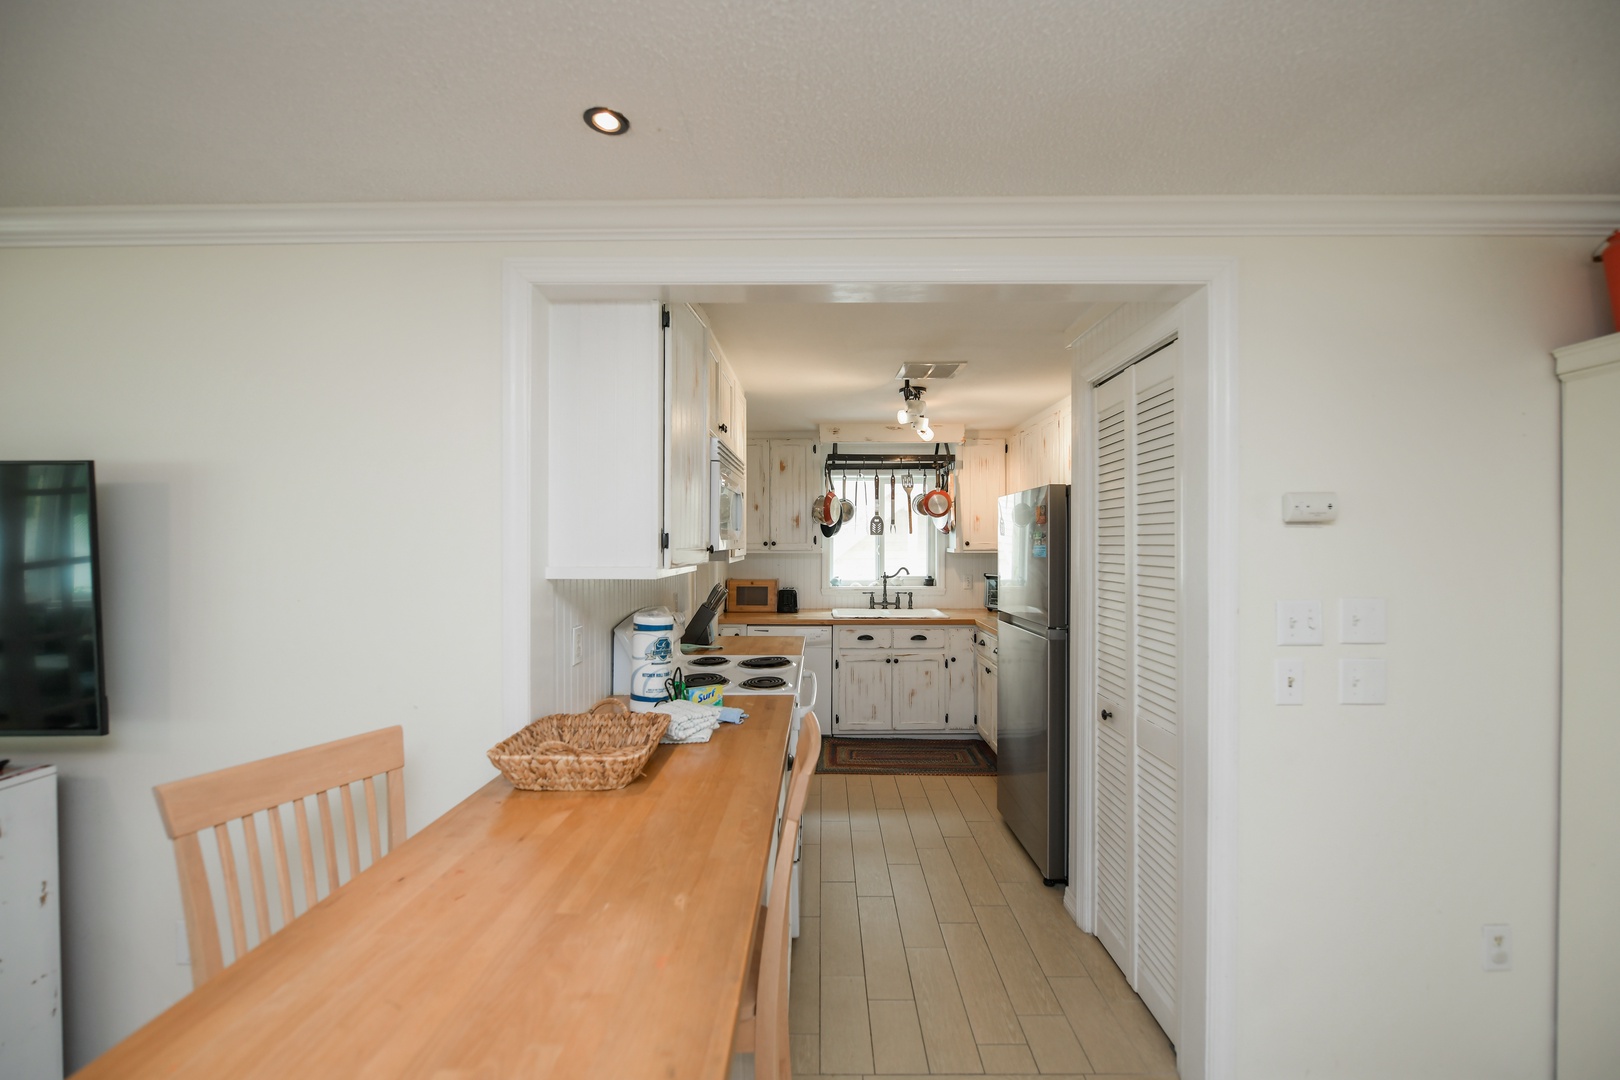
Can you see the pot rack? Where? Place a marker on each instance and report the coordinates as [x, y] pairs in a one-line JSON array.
[[893, 463]]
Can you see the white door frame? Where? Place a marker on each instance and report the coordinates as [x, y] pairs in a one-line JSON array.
[[1206, 1049]]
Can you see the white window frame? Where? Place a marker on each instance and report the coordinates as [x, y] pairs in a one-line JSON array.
[[936, 551]]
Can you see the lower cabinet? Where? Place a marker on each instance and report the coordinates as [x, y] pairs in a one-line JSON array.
[[987, 703], [904, 679]]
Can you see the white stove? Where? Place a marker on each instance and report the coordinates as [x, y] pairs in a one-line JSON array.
[[743, 676]]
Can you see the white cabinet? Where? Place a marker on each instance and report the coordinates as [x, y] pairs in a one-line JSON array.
[[865, 693], [1039, 451], [981, 481], [903, 679], [919, 691], [960, 703], [984, 660], [627, 399], [784, 475], [30, 927], [728, 408]]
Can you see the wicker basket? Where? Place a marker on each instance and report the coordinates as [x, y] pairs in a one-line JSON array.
[[599, 750]]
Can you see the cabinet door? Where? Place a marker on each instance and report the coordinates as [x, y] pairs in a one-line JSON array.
[[983, 485], [1047, 450], [758, 526], [686, 460], [794, 481], [987, 702], [960, 664], [863, 683], [919, 692], [739, 416], [728, 407]]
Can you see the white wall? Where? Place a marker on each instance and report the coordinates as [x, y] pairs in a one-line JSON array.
[[301, 454]]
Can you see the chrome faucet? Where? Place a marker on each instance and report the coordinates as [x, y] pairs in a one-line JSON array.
[[871, 602]]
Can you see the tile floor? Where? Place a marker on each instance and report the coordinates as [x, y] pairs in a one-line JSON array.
[[929, 947]]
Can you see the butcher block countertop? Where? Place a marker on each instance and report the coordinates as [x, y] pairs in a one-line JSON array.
[[534, 934], [984, 620]]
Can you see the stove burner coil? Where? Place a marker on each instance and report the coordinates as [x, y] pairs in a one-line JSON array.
[[707, 678], [763, 682], [708, 661], [764, 662]]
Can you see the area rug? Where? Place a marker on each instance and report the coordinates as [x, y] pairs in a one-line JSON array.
[[902, 757]]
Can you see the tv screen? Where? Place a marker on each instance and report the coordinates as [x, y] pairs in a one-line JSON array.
[[51, 665]]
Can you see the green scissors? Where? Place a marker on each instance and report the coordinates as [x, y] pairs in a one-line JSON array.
[[675, 687]]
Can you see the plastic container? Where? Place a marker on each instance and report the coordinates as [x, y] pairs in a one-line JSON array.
[[652, 646]]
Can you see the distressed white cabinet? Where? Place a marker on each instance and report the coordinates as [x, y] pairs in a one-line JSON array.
[[865, 693], [903, 679], [920, 692], [1039, 451], [728, 408], [627, 399], [784, 475], [981, 481], [985, 672], [30, 927], [960, 703]]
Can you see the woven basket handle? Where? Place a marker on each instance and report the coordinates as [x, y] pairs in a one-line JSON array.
[[609, 704]]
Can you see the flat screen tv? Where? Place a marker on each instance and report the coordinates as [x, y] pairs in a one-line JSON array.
[[51, 662]]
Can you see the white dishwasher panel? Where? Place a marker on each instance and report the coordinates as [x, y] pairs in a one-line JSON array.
[[818, 641]]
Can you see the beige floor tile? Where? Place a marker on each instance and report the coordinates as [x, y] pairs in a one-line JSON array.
[[804, 979], [980, 1076], [950, 901], [1120, 1076], [810, 821], [989, 1012], [1020, 972], [1110, 981], [946, 812], [918, 925], [885, 793], [810, 880], [862, 806], [946, 1033], [1050, 933], [1002, 1058], [834, 798], [986, 787], [806, 1054], [908, 785], [813, 790], [887, 976], [1105, 1041], [968, 800], [837, 856], [840, 930], [897, 844], [897, 1043], [1007, 858], [871, 867], [920, 818], [1158, 1056], [846, 1026], [1055, 1048], [974, 872]]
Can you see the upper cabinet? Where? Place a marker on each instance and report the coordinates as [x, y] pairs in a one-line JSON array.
[[981, 481], [784, 476], [626, 454], [1039, 451], [728, 409]]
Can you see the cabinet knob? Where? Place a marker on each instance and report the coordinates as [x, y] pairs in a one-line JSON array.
[[1106, 715], [987, 671], [725, 429]]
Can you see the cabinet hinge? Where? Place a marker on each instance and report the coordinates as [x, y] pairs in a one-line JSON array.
[[666, 318], [663, 542]]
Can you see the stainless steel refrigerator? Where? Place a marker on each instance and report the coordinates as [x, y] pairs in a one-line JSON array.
[[1032, 698]]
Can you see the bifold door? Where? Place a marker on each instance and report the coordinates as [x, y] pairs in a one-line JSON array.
[[1137, 758]]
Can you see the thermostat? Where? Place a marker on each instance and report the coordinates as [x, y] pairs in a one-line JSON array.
[[1310, 507]]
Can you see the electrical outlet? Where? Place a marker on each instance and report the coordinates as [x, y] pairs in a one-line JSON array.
[[1290, 682], [182, 944], [1496, 946], [578, 645], [1299, 622]]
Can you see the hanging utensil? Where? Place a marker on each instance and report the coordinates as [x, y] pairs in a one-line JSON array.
[[846, 509], [875, 526], [907, 483], [891, 504]]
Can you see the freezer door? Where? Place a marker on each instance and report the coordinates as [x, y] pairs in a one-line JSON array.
[[1032, 555], [1032, 743]]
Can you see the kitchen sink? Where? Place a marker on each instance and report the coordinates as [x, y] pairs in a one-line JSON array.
[[887, 613]]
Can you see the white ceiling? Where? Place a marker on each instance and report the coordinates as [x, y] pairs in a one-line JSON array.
[[803, 364], [228, 101]]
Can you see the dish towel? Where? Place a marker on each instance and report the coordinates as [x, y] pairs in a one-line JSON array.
[[688, 723]]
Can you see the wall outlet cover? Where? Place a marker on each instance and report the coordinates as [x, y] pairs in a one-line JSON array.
[[1361, 622], [1362, 682], [1299, 622]]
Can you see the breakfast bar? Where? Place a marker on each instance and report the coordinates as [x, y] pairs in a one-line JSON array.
[[535, 934]]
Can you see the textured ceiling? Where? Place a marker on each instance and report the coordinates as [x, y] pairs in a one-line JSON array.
[[802, 364], [225, 101]]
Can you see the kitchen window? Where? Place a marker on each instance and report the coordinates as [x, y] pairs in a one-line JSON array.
[[856, 558]]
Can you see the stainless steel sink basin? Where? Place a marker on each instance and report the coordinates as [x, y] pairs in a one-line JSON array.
[[887, 613]]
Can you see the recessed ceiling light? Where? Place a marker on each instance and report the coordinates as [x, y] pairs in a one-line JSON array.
[[607, 121]]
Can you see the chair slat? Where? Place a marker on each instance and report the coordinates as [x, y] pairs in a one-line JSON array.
[[373, 832], [261, 903], [278, 844], [202, 929], [396, 808], [233, 890], [350, 832], [306, 852], [323, 803]]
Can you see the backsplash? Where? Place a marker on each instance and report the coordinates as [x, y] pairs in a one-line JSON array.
[[963, 579]]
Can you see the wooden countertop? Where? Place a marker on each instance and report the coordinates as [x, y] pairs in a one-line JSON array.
[[555, 934], [983, 619]]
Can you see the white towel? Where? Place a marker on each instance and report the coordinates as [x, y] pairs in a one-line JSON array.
[[688, 722]]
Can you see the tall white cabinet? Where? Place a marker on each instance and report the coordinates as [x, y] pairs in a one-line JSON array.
[[1589, 796], [30, 927]]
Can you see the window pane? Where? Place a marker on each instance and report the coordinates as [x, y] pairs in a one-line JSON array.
[[859, 557]]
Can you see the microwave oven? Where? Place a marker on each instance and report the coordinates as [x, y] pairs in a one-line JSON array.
[[727, 501]]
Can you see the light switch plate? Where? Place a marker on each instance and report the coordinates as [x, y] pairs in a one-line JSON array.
[[1362, 682], [1299, 622], [1496, 947], [1361, 622], [1290, 682]]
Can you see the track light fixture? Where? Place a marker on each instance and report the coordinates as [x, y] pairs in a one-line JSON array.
[[912, 410]]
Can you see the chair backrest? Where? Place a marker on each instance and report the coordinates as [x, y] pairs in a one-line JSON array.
[[806, 756], [267, 787]]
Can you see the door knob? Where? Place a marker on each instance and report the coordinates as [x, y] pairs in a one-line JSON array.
[[1106, 715]]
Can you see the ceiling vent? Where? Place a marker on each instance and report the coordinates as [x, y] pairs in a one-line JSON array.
[[928, 371]]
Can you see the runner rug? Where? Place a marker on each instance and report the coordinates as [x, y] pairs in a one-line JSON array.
[[901, 757]]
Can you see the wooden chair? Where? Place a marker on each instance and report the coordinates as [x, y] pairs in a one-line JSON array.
[[762, 1018], [243, 792]]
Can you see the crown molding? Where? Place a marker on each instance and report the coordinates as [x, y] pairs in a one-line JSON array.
[[783, 219]]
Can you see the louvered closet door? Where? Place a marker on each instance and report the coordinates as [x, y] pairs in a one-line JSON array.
[[1138, 679]]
